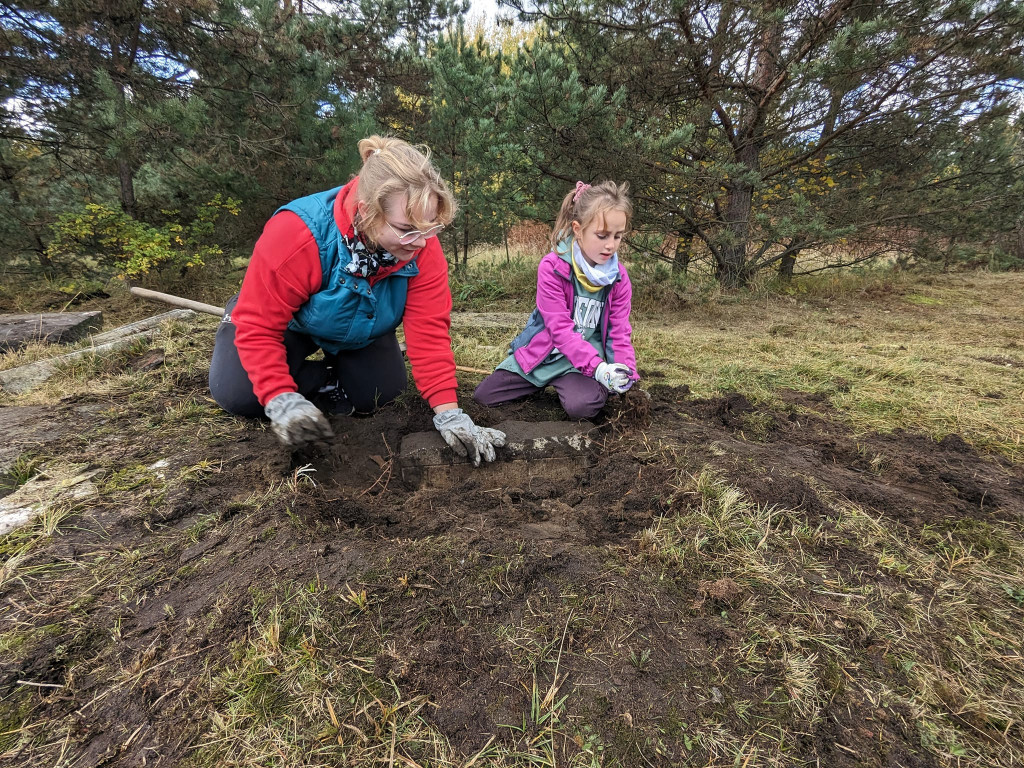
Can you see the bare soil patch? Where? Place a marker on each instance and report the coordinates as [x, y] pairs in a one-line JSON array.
[[473, 591]]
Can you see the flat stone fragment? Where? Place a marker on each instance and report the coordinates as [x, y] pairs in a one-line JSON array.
[[25, 377], [51, 327], [55, 484], [30, 428], [552, 449], [24, 428]]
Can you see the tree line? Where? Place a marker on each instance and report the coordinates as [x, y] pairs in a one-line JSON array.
[[138, 134]]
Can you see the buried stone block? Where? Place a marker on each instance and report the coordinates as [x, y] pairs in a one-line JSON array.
[[56, 484], [552, 449], [51, 327]]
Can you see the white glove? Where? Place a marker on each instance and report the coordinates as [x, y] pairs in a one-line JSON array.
[[615, 377], [296, 421], [466, 438]]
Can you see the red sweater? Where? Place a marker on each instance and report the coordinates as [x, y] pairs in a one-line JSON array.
[[285, 271]]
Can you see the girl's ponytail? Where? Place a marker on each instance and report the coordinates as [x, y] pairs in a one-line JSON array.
[[563, 223]]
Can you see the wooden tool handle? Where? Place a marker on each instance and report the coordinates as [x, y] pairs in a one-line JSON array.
[[177, 301], [209, 309]]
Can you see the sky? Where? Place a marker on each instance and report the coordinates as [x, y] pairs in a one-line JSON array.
[[487, 7]]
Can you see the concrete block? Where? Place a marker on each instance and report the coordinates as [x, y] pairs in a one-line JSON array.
[[51, 327], [549, 449]]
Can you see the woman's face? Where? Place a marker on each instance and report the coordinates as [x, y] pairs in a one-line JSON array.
[[397, 223]]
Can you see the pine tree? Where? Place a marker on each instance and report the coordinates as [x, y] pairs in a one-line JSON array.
[[809, 100]]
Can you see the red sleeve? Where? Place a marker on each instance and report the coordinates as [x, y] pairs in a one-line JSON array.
[[427, 323], [283, 273]]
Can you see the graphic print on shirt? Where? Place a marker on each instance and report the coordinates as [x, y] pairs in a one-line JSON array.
[[587, 313]]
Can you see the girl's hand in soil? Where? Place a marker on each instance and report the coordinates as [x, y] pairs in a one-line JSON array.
[[296, 421], [466, 438], [615, 377]]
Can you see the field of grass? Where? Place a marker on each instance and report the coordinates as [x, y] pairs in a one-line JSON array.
[[939, 354], [809, 553]]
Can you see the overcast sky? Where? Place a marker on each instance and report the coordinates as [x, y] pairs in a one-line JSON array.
[[488, 7]]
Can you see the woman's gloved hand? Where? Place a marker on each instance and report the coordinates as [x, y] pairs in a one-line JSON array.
[[296, 421], [615, 377], [466, 438]]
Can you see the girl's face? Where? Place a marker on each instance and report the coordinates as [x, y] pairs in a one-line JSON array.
[[600, 239], [397, 223]]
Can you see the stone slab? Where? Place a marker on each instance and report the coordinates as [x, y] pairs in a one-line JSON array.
[[25, 377], [30, 429], [551, 449], [57, 483], [51, 327], [23, 428], [146, 324]]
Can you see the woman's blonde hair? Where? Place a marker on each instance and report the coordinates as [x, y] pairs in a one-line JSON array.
[[586, 203], [392, 166]]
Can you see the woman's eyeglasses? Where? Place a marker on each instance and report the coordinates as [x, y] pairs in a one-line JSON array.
[[405, 238]]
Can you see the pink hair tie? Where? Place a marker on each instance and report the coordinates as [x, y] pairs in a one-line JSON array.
[[580, 189]]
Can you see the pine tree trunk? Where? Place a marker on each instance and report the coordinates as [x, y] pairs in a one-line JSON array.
[[126, 177], [684, 252], [732, 259], [733, 269], [786, 265], [8, 173]]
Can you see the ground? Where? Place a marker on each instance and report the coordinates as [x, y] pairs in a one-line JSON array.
[[728, 579]]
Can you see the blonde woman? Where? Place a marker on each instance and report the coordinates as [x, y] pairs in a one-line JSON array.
[[339, 271]]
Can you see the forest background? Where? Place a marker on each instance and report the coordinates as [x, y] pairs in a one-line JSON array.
[[152, 140]]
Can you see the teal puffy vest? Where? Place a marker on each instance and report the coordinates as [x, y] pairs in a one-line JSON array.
[[347, 312]]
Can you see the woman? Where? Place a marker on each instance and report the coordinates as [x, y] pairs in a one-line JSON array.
[[338, 271]]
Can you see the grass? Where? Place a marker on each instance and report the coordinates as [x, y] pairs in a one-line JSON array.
[[298, 692], [883, 357], [947, 630], [919, 636]]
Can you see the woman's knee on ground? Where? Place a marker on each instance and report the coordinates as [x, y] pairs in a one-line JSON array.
[[238, 401], [368, 400]]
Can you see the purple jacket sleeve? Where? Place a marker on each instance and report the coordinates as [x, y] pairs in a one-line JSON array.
[[554, 300], [620, 304]]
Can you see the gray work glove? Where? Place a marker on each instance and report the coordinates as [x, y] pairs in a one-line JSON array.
[[615, 377], [296, 421], [466, 438]]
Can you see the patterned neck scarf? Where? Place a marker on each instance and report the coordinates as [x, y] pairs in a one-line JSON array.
[[363, 260], [598, 275]]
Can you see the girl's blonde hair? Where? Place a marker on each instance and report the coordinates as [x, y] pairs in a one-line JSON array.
[[587, 204], [392, 166]]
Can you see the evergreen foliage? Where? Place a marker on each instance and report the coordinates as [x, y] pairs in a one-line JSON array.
[[767, 135]]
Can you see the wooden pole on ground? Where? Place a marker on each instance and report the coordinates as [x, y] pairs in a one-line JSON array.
[[177, 301]]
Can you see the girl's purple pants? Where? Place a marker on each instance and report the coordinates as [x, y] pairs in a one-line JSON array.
[[581, 396]]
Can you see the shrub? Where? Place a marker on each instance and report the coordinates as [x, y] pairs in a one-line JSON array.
[[105, 241]]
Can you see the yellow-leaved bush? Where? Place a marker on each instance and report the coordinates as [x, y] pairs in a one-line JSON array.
[[99, 238]]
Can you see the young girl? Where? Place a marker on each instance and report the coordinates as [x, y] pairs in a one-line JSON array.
[[578, 339]]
